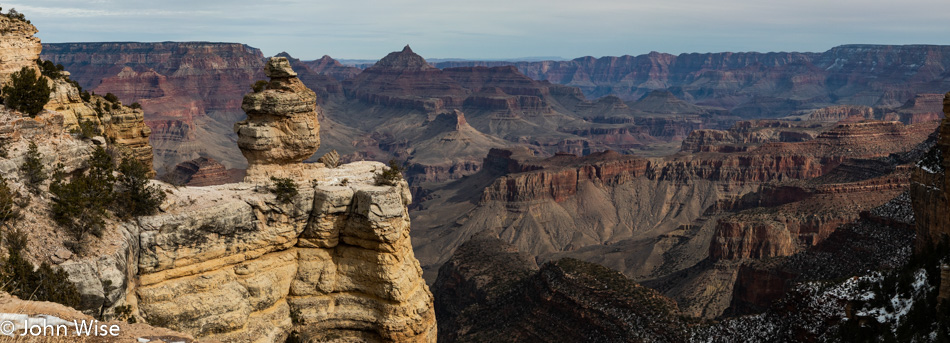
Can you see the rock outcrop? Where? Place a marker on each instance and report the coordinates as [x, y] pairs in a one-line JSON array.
[[228, 262], [18, 45], [747, 135], [281, 126], [47, 313]]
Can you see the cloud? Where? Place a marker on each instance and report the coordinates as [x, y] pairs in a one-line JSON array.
[[497, 28]]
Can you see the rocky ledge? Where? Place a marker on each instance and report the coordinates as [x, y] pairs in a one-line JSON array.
[[231, 263]]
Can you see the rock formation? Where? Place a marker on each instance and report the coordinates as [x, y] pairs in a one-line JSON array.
[[330, 159], [281, 126], [335, 262], [42, 313], [19, 46], [230, 262]]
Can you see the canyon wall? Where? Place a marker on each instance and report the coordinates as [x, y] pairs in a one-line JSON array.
[[872, 75]]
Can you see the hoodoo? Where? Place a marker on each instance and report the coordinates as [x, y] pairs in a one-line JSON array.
[[281, 126]]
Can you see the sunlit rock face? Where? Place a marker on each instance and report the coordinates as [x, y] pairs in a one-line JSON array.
[[281, 125]]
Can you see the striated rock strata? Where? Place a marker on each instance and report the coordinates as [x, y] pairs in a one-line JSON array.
[[281, 126], [18, 45], [230, 263]]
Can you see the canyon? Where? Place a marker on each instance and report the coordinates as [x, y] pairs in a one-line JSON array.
[[624, 194]]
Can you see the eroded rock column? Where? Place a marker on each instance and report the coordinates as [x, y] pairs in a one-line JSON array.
[[281, 129]]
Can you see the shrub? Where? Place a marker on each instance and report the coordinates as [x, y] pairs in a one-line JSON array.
[[9, 211], [26, 92], [50, 70], [13, 14], [136, 106], [284, 188], [135, 196], [259, 86], [390, 176], [123, 312], [111, 98], [79, 205], [87, 129], [32, 168], [18, 276]]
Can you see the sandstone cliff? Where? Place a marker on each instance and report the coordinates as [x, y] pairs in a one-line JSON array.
[[20, 48], [229, 262]]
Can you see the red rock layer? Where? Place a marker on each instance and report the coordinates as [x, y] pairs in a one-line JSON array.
[[747, 135], [789, 217]]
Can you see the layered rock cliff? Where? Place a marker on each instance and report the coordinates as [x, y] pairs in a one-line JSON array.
[[20, 48], [229, 262], [871, 75]]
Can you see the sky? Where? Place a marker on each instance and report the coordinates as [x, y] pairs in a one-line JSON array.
[[495, 29]]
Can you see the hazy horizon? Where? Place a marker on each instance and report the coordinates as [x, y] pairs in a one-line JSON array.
[[496, 30]]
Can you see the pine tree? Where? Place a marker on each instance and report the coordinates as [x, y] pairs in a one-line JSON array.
[[136, 197], [9, 211], [20, 278], [32, 169], [79, 204], [27, 92]]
